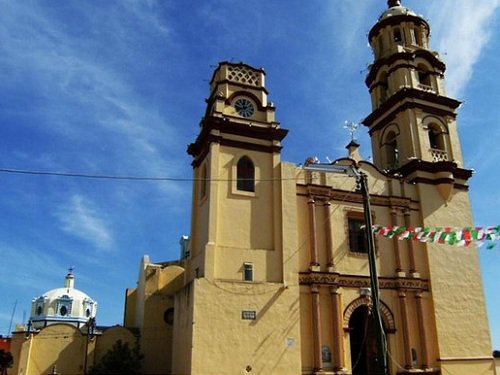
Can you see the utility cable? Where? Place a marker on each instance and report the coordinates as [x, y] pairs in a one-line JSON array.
[[128, 178]]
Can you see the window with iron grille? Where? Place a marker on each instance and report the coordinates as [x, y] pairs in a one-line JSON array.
[[357, 235]]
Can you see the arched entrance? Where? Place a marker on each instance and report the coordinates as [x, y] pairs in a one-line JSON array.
[[362, 328]]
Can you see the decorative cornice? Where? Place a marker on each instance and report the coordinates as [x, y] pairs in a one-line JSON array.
[[429, 181], [396, 20], [434, 168], [326, 193], [357, 281], [405, 99], [214, 129]]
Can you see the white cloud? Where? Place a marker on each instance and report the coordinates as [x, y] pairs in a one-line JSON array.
[[461, 29], [83, 220]]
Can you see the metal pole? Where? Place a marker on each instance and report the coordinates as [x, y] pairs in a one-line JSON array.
[[379, 332]]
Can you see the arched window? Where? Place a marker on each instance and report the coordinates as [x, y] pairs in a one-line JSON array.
[[424, 76], [391, 151], [436, 138], [398, 38], [245, 175], [437, 143]]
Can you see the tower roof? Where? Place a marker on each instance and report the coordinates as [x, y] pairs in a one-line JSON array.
[[396, 9], [395, 15]]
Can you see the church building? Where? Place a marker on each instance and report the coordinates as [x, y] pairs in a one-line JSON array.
[[275, 276]]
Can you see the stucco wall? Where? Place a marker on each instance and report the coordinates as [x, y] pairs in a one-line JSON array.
[[224, 343]]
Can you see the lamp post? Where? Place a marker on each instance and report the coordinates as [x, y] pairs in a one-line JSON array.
[[362, 184]]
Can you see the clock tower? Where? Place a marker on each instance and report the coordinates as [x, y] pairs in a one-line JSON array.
[[235, 159], [240, 283]]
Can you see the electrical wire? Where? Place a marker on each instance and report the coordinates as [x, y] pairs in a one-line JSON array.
[[129, 178]]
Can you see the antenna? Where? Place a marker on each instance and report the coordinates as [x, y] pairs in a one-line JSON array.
[[12, 318]]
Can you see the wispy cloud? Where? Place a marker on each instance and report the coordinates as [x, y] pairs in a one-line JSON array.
[[91, 108], [461, 29], [70, 74], [80, 218]]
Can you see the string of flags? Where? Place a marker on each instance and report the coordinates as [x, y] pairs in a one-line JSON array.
[[445, 235]]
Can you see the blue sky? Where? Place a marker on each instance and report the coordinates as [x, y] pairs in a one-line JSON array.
[[118, 88]]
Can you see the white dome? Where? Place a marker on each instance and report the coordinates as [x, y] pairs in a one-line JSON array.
[[72, 292], [63, 305]]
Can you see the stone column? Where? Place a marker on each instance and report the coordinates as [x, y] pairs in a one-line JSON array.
[[338, 332], [316, 334], [314, 264], [328, 236], [396, 244], [422, 330], [411, 249], [406, 330]]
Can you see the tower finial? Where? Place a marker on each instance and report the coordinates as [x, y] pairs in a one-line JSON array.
[[351, 128], [394, 3]]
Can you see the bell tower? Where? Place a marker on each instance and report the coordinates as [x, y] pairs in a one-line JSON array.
[[413, 122], [414, 138], [235, 165]]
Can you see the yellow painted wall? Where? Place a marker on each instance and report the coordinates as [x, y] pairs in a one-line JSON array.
[[183, 331], [456, 283], [59, 345], [224, 343]]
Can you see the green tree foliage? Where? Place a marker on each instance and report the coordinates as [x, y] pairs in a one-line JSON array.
[[6, 361], [119, 360]]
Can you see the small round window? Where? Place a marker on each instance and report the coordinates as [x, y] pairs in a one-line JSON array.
[[63, 310]]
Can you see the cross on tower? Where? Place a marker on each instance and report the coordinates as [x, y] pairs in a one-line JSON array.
[[351, 128]]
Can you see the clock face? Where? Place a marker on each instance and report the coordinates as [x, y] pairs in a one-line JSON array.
[[244, 107]]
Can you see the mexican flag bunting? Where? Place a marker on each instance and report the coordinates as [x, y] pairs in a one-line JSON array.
[[442, 235]]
